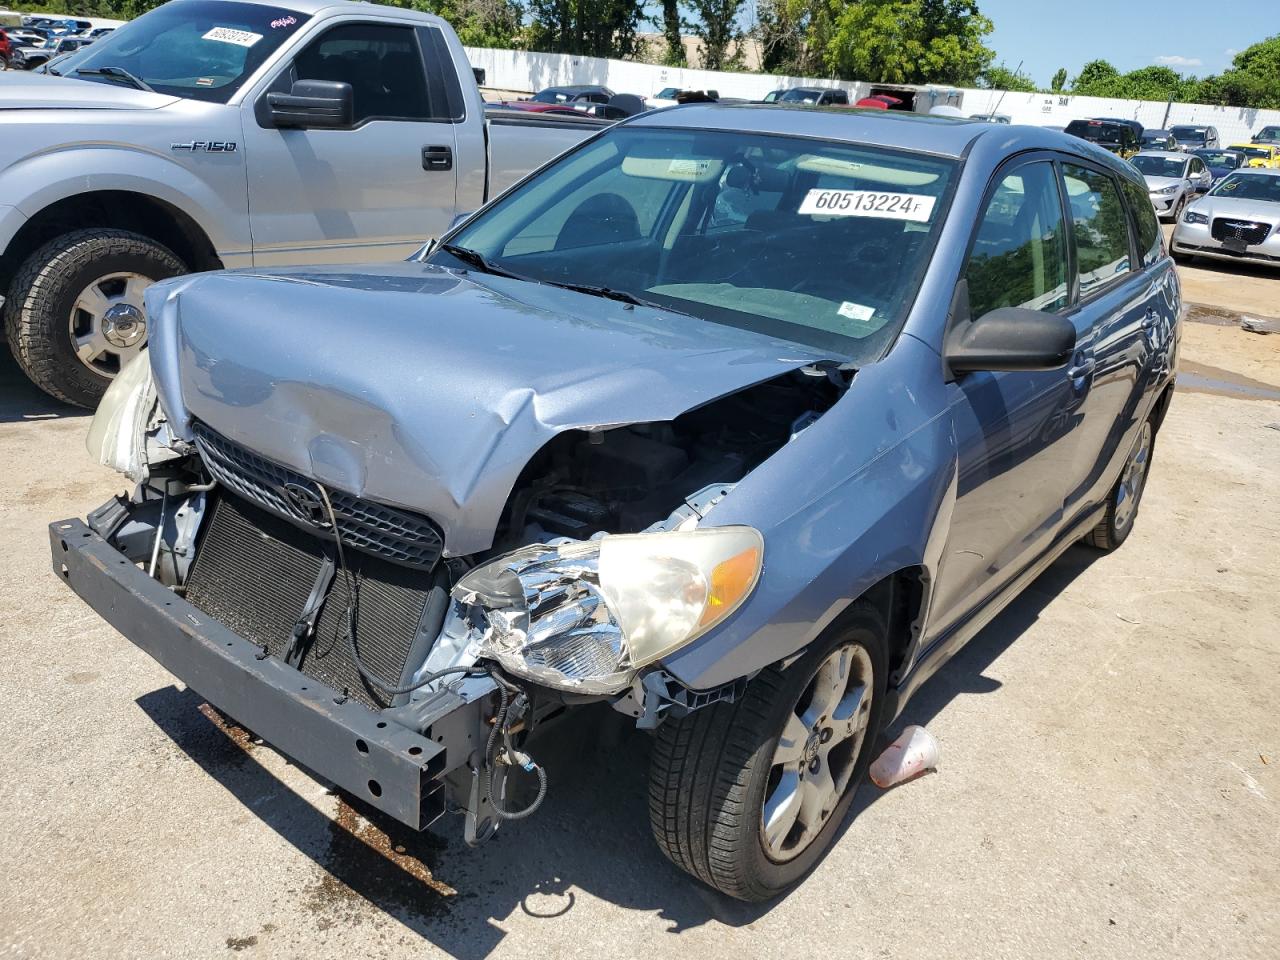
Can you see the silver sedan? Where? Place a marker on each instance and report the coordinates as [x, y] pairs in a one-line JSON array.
[[1173, 179], [1238, 220]]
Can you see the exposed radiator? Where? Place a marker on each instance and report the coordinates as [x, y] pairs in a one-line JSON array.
[[254, 572]]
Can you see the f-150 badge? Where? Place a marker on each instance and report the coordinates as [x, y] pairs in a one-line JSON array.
[[206, 146]]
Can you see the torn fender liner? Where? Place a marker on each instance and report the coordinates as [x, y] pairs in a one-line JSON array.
[[427, 388]]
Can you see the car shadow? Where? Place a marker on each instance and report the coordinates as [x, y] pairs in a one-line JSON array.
[[591, 835], [20, 399]]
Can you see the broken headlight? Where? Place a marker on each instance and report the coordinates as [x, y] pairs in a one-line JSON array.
[[584, 616]]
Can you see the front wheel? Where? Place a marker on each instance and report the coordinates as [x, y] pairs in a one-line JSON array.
[[74, 314], [747, 796]]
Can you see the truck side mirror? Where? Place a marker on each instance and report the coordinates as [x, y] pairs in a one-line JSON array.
[[313, 103]]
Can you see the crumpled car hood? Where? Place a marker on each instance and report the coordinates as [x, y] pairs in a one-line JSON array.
[[427, 388], [41, 91]]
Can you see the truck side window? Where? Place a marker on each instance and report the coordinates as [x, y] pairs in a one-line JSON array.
[[382, 63], [1101, 227], [1019, 256]]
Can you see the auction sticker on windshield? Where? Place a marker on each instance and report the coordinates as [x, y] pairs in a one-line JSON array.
[[241, 38], [868, 203]]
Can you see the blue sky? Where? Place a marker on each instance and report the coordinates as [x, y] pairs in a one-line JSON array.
[[1191, 36]]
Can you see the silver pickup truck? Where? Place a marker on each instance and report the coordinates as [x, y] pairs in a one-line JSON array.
[[233, 133]]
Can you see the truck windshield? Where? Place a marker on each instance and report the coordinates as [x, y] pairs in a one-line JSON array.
[[199, 49], [815, 242]]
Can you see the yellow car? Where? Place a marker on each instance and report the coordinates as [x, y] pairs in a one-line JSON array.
[[1266, 155]]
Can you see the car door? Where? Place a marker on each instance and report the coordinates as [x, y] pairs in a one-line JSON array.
[[1201, 179], [1014, 431], [371, 191], [1118, 323]]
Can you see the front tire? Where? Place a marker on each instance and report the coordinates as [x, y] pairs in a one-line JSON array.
[[747, 796], [73, 314]]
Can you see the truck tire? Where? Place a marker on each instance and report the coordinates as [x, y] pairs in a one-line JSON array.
[[1126, 496], [717, 774], [73, 314]]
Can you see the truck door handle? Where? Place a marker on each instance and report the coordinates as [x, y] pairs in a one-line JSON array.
[[1083, 367], [1150, 321], [437, 158]]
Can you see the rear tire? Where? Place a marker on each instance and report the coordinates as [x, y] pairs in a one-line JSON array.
[[1126, 496], [715, 772], [43, 307]]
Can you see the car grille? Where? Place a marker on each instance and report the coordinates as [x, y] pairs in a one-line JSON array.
[[254, 573], [1247, 230], [396, 535]]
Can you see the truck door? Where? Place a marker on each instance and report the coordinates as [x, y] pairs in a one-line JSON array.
[[371, 191]]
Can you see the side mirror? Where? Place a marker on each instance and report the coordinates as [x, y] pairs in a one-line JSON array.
[[1009, 339], [313, 103]]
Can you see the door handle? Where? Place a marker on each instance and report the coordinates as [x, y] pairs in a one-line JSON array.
[[1083, 368], [1150, 321], [437, 158]]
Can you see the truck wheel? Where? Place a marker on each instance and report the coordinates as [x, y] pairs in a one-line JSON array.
[[74, 315], [747, 796], [1122, 505]]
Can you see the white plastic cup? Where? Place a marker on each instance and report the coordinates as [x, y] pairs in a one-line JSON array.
[[914, 752]]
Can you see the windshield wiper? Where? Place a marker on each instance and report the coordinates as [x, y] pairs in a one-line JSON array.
[[120, 72], [608, 293], [476, 259]]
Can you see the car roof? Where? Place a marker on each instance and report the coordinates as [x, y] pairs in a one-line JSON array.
[[1168, 154]]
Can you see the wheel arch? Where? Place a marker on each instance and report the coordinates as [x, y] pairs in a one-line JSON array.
[[141, 213]]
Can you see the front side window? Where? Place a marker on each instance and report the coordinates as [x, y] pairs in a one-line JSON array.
[[1019, 255], [1148, 227], [806, 240], [382, 64], [1101, 227], [201, 49]]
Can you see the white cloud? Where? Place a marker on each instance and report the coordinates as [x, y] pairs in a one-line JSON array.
[[1231, 53], [1176, 61]]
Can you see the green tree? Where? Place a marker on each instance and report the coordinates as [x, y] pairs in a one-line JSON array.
[[1059, 80], [1002, 78], [909, 41], [1252, 80], [717, 26], [593, 28], [672, 24], [1093, 75]]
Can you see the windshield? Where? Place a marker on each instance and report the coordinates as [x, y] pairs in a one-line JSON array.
[[1197, 134], [801, 96], [811, 241], [1249, 186], [1156, 138], [1262, 152], [199, 49], [1159, 166], [1096, 132], [1219, 158], [1268, 133]]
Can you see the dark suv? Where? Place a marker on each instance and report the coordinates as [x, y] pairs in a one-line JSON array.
[[1116, 136]]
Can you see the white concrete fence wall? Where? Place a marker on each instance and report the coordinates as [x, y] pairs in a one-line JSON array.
[[527, 71]]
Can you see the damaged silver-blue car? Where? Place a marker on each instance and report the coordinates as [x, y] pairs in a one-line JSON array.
[[741, 419]]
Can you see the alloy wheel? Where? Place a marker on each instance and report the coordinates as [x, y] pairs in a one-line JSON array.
[[821, 741], [1133, 479]]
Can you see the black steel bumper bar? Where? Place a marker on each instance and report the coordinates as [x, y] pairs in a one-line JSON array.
[[388, 766]]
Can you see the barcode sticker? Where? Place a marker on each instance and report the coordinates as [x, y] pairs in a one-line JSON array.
[[868, 203], [241, 38]]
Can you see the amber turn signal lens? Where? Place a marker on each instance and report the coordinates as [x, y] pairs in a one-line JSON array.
[[731, 580]]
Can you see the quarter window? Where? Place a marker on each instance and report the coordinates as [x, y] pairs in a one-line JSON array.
[[1101, 227], [382, 64], [1019, 257]]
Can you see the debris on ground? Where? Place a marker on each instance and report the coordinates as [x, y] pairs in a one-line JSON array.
[[913, 753]]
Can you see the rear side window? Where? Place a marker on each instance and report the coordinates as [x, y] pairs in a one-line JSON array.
[[1101, 227], [1019, 256], [382, 64], [1144, 216]]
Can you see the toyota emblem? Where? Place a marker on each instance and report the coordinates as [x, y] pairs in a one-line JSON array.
[[306, 501]]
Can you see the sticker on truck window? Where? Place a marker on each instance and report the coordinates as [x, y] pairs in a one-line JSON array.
[[241, 38], [868, 203]]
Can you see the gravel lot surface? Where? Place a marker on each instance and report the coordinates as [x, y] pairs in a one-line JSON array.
[[1108, 785]]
